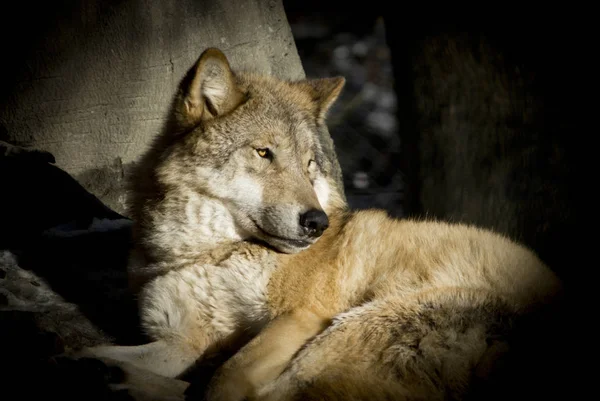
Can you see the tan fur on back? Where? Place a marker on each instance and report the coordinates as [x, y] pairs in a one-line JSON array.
[[367, 255], [376, 308]]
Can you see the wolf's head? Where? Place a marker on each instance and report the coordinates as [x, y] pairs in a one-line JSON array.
[[250, 143]]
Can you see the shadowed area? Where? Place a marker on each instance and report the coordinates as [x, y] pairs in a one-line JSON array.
[[63, 281]]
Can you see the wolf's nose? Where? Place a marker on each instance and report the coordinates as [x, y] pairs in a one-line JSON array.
[[314, 222]]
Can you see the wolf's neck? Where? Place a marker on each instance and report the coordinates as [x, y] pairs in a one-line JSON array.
[[200, 226], [213, 224]]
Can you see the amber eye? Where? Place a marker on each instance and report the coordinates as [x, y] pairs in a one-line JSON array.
[[264, 152]]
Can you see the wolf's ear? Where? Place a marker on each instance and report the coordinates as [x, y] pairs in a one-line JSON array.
[[209, 90], [324, 92]]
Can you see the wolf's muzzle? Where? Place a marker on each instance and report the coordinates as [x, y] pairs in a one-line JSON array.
[[314, 222]]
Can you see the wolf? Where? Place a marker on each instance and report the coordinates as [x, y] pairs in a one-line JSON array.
[[241, 230]]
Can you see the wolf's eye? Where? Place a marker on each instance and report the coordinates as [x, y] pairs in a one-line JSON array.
[[263, 152]]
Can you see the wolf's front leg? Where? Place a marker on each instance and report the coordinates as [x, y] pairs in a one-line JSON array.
[[149, 371], [168, 359], [265, 357]]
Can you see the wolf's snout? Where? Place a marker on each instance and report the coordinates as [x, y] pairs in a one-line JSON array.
[[314, 222]]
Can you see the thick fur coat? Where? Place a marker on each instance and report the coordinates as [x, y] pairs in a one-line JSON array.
[[242, 231]]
